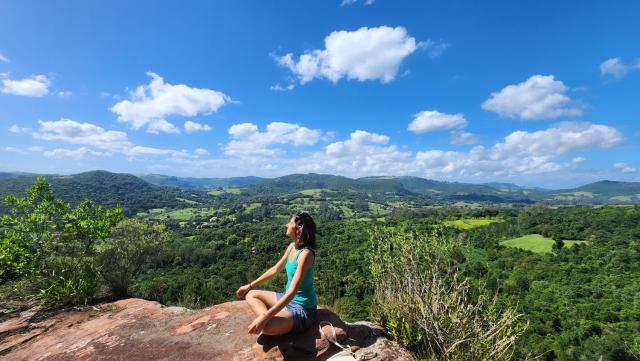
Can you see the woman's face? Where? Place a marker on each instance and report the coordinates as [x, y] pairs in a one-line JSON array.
[[291, 228]]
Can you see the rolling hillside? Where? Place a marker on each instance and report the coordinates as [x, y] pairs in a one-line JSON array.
[[105, 188]]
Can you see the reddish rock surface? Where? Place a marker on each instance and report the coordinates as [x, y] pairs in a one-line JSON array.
[[136, 329]]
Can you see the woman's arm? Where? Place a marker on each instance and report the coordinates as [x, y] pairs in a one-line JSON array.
[[305, 260]]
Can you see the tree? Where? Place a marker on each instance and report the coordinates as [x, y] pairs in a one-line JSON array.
[[52, 244], [558, 245], [130, 246], [30, 225]]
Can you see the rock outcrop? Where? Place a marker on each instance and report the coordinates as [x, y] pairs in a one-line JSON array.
[[136, 329]]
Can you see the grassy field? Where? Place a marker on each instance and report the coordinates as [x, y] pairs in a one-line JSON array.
[[252, 206], [316, 191], [217, 192], [536, 243], [469, 223], [184, 214], [188, 201]]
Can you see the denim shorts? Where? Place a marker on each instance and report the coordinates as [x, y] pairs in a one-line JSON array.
[[303, 317]]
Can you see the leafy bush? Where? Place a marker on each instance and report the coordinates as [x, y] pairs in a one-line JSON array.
[[54, 245], [131, 244]]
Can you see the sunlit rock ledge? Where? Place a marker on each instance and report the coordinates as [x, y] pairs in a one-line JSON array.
[[137, 329]]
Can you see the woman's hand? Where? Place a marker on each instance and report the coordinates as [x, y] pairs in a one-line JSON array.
[[257, 325], [242, 291]]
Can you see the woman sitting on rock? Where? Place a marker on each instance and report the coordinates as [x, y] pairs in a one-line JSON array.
[[295, 309]]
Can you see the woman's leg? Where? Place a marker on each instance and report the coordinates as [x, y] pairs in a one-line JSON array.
[[260, 301]]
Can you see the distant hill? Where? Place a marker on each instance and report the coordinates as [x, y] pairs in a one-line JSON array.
[[105, 188], [602, 192], [5, 175], [143, 192], [199, 183]]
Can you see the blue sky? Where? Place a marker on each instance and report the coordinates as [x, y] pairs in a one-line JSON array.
[[538, 93]]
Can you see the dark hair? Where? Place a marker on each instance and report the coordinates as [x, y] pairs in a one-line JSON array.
[[308, 236]]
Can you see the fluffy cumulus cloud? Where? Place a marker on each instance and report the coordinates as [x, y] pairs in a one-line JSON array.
[[519, 154], [364, 153], [462, 137], [107, 141], [248, 141], [33, 86], [363, 54], [624, 167], [522, 152], [80, 153], [71, 131], [433, 120], [617, 68], [150, 104], [539, 97], [192, 127]]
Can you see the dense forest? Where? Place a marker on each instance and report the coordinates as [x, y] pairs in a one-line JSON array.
[[578, 299]]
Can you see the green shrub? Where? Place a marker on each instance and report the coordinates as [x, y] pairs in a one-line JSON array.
[[124, 254], [54, 245]]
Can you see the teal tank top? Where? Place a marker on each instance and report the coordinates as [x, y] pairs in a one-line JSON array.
[[306, 294]]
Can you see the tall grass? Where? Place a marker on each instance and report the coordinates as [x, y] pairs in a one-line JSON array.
[[425, 303]]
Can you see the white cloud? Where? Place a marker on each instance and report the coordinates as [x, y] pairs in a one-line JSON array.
[[279, 88], [80, 153], [71, 131], [16, 129], [432, 120], [112, 96], [65, 93], [523, 152], [247, 141], [518, 155], [351, 2], [539, 97], [201, 152], [160, 125], [560, 139], [150, 104], [191, 127], [14, 150], [33, 86], [364, 153], [364, 54], [434, 49], [4, 58], [461, 137], [140, 150], [624, 167], [616, 68], [27, 150]]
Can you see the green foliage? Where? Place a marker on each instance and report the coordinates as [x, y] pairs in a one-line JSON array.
[[54, 245], [130, 246]]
